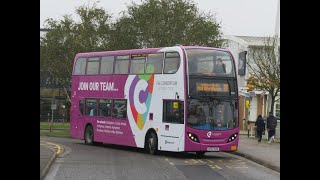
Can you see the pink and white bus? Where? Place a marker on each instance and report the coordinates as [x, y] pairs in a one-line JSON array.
[[181, 98]]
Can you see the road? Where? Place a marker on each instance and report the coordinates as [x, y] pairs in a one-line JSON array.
[[81, 161]]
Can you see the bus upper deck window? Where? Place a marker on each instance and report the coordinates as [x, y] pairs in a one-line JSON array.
[[80, 67], [171, 63], [107, 65], [93, 65], [154, 63], [121, 65]]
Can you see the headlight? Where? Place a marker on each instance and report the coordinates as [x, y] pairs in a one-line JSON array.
[[232, 137], [193, 137]]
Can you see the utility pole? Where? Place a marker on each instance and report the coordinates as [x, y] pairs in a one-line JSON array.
[[53, 107]]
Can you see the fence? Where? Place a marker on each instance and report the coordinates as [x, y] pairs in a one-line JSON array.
[[56, 118]]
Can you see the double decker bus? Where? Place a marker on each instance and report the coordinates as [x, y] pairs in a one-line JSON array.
[[180, 98]]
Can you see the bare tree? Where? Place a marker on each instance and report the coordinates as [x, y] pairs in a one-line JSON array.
[[264, 68]]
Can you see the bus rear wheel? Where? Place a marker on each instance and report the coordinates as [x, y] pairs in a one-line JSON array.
[[152, 144], [88, 135]]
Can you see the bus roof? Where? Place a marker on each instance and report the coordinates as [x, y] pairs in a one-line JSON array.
[[203, 47], [118, 52], [138, 51]]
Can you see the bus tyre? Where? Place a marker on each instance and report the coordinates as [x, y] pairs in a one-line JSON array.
[[200, 153], [88, 135], [152, 144]]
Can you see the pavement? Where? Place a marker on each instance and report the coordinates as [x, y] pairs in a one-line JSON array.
[[48, 153], [262, 153]]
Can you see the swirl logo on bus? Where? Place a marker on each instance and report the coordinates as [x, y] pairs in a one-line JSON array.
[[140, 94]]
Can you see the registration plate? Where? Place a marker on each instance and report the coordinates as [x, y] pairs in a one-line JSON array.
[[213, 149]]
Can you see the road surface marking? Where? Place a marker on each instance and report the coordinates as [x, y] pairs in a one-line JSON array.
[[56, 147], [192, 161], [215, 166], [210, 161]]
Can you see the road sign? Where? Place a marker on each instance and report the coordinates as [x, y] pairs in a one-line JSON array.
[[53, 106], [247, 103]]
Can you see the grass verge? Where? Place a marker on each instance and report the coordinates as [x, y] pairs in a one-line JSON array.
[[55, 133], [59, 125]]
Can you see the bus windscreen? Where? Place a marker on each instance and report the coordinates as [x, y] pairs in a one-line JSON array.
[[209, 62]]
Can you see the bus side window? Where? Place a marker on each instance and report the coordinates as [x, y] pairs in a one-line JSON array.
[[81, 106], [137, 65], [171, 63], [154, 63], [121, 65], [105, 107], [107, 65], [173, 112], [120, 109], [80, 67], [93, 65], [91, 107]]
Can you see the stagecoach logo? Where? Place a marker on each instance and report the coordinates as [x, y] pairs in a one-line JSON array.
[[140, 94], [209, 134]]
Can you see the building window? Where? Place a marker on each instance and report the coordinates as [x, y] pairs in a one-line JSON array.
[[277, 109]]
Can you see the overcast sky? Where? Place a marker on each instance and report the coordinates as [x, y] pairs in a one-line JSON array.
[[237, 17]]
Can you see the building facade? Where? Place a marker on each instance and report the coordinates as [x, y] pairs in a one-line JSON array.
[[255, 102]]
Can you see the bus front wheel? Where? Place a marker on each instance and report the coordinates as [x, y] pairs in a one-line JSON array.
[[88, 135], [152, 143]]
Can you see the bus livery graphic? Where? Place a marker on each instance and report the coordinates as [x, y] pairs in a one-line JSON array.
[[140, 94], [177, 99]]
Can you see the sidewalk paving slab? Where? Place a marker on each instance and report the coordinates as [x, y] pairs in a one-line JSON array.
[[262, 153]]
